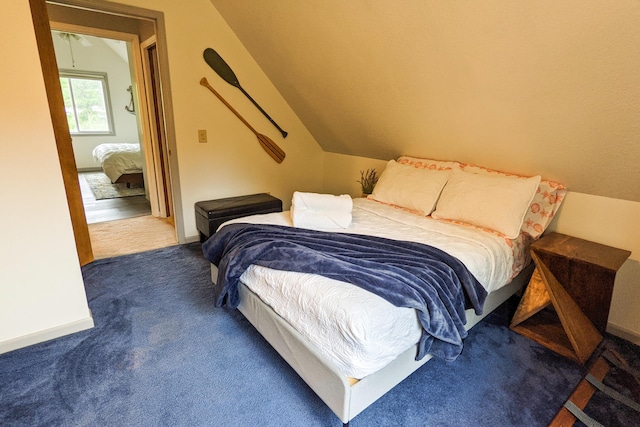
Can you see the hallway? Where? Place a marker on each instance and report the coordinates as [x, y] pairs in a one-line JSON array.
[[123, 225]]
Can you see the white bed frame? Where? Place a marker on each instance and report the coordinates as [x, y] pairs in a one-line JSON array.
[[333, 387]]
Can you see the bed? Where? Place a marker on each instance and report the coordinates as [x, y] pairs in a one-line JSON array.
[[122, 163], [350, 345]]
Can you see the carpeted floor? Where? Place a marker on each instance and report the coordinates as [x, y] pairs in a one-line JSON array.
[[102, 188], [162, 355]]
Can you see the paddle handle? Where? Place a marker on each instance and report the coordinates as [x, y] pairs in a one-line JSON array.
[[284, 134], [206, 84]]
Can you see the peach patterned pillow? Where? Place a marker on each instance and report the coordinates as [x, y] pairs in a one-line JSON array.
[[428, 163], [544, 205]]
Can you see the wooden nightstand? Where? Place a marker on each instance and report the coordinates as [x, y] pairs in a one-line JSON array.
[[566, 304]]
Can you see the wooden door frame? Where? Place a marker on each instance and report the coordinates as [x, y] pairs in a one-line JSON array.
[[61, 130], [50, 68]]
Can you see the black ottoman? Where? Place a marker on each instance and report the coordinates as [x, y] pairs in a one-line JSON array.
[[211, 214]]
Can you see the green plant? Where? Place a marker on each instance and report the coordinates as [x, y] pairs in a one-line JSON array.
[[368, 180]]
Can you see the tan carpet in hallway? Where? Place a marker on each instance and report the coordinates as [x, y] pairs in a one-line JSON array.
[[132, 235]]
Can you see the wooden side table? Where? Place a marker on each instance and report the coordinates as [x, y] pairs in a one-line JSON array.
[[566, 304]]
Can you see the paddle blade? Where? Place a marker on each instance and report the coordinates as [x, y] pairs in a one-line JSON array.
[[218, 65], [271, 148]]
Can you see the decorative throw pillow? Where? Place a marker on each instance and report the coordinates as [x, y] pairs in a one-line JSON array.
[[409, 187], [496, 202], [545, 203]]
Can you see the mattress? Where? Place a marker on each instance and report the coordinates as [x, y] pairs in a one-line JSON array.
[[118, 159], [355, 329]]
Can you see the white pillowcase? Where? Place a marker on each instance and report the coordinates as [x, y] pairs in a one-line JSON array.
[[409, 187], [495, 202]]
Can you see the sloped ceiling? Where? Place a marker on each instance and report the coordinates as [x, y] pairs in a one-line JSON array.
[[550, 88]]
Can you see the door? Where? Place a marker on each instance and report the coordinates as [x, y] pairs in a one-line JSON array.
[[150, 65]]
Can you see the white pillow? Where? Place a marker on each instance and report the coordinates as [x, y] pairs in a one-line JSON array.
[[543, 207], [410, 187], [495, 202]]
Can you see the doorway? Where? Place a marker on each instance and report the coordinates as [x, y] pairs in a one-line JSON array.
[[156, 130], [105, 120]]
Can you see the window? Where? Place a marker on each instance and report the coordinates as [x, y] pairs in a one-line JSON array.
[[86, 102]]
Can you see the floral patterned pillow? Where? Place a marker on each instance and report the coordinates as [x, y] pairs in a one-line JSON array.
[[428, 163]]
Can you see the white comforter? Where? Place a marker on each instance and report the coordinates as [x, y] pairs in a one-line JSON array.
[[359, 331], [118, 159]]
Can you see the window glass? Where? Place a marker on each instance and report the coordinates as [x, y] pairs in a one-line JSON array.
[[86, 102]]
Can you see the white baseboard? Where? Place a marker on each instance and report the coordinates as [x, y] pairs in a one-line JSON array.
[[46, 335], [623, 333], [192, 239]]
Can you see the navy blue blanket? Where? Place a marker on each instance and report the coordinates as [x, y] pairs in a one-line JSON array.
[[406, 274]]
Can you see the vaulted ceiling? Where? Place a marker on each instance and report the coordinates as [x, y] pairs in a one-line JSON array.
[[550, 88]]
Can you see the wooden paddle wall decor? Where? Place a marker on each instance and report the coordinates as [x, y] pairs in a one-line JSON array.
[[267, 144], [223, 69]]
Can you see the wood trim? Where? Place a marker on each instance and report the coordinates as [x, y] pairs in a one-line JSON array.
[[61, 130], [94, 32], [581, 395]]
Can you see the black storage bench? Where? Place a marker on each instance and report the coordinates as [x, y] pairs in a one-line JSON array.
[[211, 214]]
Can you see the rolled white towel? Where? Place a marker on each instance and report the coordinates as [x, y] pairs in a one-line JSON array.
[[321, 211]]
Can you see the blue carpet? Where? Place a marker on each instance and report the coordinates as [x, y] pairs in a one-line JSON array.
[[162, 355]]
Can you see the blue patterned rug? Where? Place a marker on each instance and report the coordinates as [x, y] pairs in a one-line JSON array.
[[162, 355]]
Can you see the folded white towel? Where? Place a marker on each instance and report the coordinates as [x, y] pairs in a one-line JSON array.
[[321, 211]]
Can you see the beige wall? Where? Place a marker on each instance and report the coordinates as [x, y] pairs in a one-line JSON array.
[[604, 220], [232, 162], [41, 290]]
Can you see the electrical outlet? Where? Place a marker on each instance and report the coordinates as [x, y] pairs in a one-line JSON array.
[[202, 136]]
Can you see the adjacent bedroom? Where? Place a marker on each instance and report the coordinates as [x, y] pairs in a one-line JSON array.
[[99, 96]]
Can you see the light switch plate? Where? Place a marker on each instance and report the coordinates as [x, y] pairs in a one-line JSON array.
[[202, 136]]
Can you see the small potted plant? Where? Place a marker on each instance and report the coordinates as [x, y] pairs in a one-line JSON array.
[[368, 180]]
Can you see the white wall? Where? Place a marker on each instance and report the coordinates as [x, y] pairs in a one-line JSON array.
[[41, 289], [603, 220], [98, 57]]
